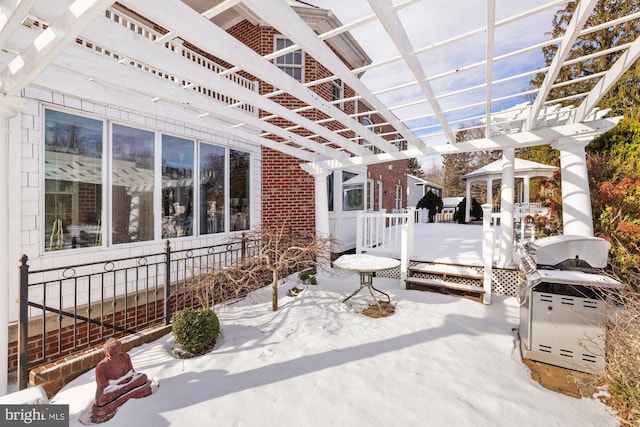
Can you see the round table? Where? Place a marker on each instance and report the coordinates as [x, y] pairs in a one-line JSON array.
[[367, 266]]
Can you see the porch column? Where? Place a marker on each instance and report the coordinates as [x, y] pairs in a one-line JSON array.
[[322, 205], [9, 108], [526, 183], [467, 205], [489, 192], [506, 207], [577, 218]]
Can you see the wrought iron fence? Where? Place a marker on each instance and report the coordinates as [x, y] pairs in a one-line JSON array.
[[75, 307]]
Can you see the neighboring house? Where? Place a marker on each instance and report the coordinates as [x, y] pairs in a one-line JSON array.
[[418, 187]]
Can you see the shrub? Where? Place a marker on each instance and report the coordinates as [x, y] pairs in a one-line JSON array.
[[307, 277], [195, 330], [623, 354]]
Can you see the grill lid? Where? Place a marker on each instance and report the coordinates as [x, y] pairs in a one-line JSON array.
[[569, 252]]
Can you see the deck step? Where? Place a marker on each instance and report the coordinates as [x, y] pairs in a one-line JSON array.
[[418, 282], [447, 270]]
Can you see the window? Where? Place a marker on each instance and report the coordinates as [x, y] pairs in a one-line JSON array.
[[367, 123], [398, 199], [239, 192], [73, 181], [370, 193], [135, 163], [352, 191], [132, 184], [380, 195], [177, 187], [330, 191], [212, 173], [337, 92], [291, 63]]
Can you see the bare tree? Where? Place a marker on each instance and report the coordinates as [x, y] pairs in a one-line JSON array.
[[279, 253]]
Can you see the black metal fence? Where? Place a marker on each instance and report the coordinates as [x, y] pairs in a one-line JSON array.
[[75, 307]]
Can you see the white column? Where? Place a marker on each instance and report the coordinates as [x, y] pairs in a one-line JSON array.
[[467, 205], [527, 182], [506, 207], [9, 108], [488, 246], [322, 205], [577, 218], [490, 191]]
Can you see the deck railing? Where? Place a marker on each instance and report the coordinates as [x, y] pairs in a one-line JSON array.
[[72, 308], [387, 235]]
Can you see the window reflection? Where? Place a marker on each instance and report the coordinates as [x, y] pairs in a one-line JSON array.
[[211, 189], [352, 191], [132, 184], [73, 181], [239, 192], [177, 187]]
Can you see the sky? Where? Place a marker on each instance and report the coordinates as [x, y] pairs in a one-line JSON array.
[[437, 361], [428, 22]]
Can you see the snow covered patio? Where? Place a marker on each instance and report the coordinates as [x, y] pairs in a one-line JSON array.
[[439, 360]]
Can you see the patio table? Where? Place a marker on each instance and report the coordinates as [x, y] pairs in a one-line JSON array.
[[366, 266]]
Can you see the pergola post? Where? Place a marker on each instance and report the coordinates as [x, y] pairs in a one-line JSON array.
[[577, 218], [506, 207], [321, 205], [9, 108]]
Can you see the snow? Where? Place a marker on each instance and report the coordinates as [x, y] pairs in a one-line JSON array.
[[438, 361], [365, 263]]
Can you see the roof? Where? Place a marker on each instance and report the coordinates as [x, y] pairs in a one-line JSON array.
[[521, 167], [45, 42], [421, 181]]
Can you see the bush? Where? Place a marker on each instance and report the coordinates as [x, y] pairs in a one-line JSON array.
[[195, 330], [623, 354], [307, 277]]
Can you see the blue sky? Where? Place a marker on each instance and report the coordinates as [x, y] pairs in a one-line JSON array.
[[432, 21]]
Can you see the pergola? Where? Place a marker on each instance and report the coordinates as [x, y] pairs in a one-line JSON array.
[[42, 43]]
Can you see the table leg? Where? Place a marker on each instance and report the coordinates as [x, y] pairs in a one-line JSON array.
[[354, 292]]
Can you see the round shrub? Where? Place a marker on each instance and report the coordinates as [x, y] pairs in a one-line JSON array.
[[195, 330]]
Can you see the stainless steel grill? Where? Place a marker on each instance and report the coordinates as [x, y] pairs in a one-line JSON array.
[[563, 302]]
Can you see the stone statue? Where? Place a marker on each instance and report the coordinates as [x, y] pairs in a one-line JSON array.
[[116, 382]]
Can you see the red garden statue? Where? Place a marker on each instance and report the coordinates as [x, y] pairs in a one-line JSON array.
[[116, 382]]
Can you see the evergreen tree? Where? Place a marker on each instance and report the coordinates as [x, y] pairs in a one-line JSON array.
[[624, 97], [414, 168]]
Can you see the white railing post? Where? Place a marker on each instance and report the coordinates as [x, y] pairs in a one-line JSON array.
[[406, 244], [359, 232], [488, 246]]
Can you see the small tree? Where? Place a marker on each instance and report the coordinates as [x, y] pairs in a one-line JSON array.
[[277, 254], [433, 202]]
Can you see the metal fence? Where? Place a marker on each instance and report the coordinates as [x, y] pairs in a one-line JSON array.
[[75, 307]]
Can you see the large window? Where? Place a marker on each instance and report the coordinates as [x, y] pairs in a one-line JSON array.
[[132, 184], [352, 191], [239, 192], [177, 187], [291, 63], [149, 179], [73, 181], [212, 173]]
